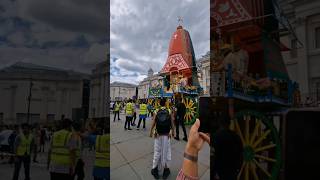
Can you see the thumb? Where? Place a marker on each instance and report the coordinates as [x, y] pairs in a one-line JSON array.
[[196, 125]]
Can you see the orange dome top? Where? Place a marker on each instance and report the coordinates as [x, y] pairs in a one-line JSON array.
[[180, 53]]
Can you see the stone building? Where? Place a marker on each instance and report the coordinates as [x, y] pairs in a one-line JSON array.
[[120, 91], [302, 62], [203, 65], [99, 91], [55, 94], [144, 85]]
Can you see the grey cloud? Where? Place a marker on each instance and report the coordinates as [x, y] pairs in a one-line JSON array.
[[77, 15], [146, 27], [66, 58], [53, 30]]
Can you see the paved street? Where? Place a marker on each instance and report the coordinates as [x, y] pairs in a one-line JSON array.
[[132, 153], [38, 170]]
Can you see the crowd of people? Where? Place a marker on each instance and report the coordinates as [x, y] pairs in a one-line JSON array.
[[141, 110], [165, 126], [8, 134], [64, 145]]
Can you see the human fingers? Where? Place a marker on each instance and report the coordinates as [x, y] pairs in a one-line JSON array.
[[196, 125], [205, 137]]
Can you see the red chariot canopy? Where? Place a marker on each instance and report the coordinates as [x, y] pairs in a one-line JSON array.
[[180, 53], [231, 12]]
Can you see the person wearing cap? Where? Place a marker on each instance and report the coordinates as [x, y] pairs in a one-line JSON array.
[[22, 148], [62, 153]]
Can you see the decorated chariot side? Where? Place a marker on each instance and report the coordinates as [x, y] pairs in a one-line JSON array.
[[178, 76], [249, 80]]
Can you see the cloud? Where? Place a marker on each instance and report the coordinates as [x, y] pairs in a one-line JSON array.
[[140, 31], [69, 34], [82, 16], [96, 53]]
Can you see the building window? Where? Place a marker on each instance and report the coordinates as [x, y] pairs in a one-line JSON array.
[[1, 118], [22, 117], [50, 117], [317, 37], [318, 91], [293, 51]]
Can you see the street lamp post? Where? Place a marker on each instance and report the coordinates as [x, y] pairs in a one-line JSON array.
[[29, 100]]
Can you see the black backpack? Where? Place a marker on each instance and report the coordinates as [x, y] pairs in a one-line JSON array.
[[163, 121]]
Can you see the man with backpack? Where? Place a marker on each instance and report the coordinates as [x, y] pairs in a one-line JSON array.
[[163, 122]]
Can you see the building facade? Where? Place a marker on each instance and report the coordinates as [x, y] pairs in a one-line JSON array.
[[302, 62], [203, 65], [203, 68], [99, 91], [122, 91], [55, 94], [144, 85]]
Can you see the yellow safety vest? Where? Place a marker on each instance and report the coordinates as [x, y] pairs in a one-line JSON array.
[[162, 108], [117, 107], [24, 147], [102, 151], [60, 153], [143, 109], [129, 109]]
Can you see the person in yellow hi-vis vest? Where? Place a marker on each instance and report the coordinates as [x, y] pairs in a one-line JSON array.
[[22, 148], [129, 109], [116, 111], [62, 153], [101, 169], [79, 168], [143, 111]]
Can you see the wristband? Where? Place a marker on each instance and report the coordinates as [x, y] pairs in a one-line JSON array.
[[190, 157]]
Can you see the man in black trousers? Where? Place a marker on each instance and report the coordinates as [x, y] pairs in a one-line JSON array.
[[180, 112]]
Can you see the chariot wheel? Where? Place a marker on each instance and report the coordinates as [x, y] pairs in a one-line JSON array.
[[150, 101], [191, 111], [156, 103], [261, 146]]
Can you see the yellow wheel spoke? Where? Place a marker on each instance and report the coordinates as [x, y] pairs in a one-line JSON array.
[[239, 131], [253, 170], [191, 103], [247, 128], [246, 174], [264, 147], [242, 167], [255, 131], [265, 158], [264, 135], [261, 168], [232, 125]]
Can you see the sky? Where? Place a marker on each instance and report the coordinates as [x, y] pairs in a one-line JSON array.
[[140, 32], [70, 34]]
